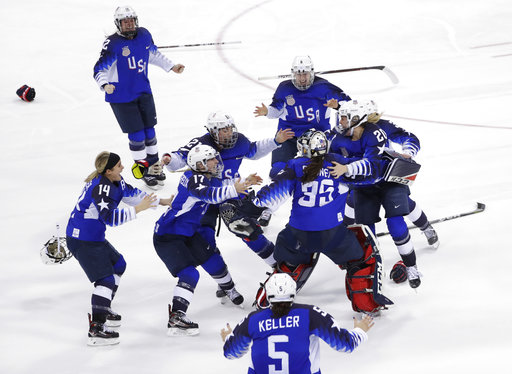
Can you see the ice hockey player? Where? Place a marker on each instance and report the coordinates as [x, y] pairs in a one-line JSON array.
[[181, 247], [286, 337], [410, 145], [300, 103], [316, 225], [363, 143], [98, 206], [122, 73], [233, 147]]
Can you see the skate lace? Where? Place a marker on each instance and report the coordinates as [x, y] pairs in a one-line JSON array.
[[232, 294], [430, 232], [413, 273]]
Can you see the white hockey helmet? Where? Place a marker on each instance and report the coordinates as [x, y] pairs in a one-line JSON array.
[[371, 107], [125, 12], [217, 121], [198, 157], [55, 251], [312, 143], [301, 65], [280, 287], [351, 114]]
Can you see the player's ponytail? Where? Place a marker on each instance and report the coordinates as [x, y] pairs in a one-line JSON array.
[[374, 117], [312, 169], [100, 163], [280, 309]]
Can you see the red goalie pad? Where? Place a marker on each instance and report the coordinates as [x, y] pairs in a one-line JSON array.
[[363, 281], [299, 273]]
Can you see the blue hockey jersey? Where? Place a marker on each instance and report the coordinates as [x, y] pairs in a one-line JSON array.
[[124, 63], [317, 205], [408, 141], [232, 157], [363, 157], [291, 343], [97, 207], [195, 192], [303, 110]]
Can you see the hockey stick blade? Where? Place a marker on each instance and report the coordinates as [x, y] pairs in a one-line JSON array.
[[385, 69], [198, 44], [480, 207]]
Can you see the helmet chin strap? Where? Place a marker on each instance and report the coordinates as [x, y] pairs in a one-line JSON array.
[[349, 131]]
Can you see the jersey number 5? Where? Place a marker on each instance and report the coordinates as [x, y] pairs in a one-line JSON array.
[[278, 355]]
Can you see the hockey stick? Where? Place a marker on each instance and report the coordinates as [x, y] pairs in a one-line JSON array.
[[480, 207], [198, 44], [385, 69]]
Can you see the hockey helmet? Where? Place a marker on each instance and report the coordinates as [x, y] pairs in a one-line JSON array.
[[351, 114], [312, 143], [280, 287], [199, 156], [222, 129], [125, 12], [302, 65], [55, 251]]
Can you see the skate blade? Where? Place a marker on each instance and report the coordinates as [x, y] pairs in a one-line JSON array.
[[175, 331], [435, 245], [97, 342]]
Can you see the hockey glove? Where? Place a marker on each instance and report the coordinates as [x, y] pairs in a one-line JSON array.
[[26, 93]]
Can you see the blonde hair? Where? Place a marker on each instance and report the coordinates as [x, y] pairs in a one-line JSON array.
[[373, 117], [100, 163]]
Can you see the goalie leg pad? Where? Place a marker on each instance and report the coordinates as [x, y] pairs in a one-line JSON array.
[[299, 273], [363, 280]]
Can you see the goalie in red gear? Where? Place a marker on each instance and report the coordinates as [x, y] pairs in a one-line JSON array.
[[316, 224]]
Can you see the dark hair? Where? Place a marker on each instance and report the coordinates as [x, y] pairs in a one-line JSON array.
[[280, 309], [312, 169]]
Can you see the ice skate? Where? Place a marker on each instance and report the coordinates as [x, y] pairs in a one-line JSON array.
[[99, 334], [157, 171], [413, 275], [221, 295], [113, 319], [431, 236], [180, 325], [235, 297]]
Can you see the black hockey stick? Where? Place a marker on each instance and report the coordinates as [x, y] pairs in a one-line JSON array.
[[385, 69], [198, 44], [480, 207]]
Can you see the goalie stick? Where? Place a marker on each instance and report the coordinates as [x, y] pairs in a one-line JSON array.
[[385, 69], [197, 44], [480, 207]]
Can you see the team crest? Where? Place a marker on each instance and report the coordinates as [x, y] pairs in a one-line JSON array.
[[126, 51], [290, 100]]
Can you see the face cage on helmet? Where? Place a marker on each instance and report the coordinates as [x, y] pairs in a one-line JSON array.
[[55, 251], [230, 143], [349, 131], [304, 146], [308, 84], [128, 34]]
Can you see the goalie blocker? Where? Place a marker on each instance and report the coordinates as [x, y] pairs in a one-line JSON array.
[[400, 170], [363, 280]]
